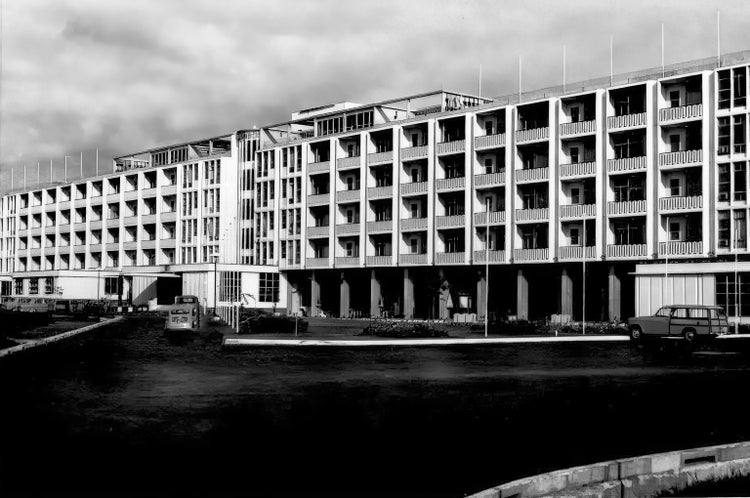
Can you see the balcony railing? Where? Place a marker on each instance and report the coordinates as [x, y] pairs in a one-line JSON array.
[[347, 195], [167, 216], [453, 221], [536, 214], [626, 251], [626, 207], [379, 260], [450, 258], [490, 179], [680, 157], [682, 112], [577, 170], [347, 229], [347, 162], [411, 153], [321, 167], [577, 252], [488, 141], [532, 134], [380, 192], [379, 158], [318, 199], [541, 254], [412, 259], [626, 120], [443, 184], [532, 175], [626, 164], [493, 256], [680, 203], [681, 248], [379, 226], [577, 211], [577, 128], [316, 262], [414, 188], [480, 219], [453, 147], [347, 261], [411, 224], [317, 232]]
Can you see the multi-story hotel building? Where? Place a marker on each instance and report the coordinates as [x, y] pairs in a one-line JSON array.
[[625, 192]]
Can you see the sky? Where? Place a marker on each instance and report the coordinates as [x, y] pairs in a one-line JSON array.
[[123, 76]]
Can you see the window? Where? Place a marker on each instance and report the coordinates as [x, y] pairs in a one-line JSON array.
[[675, 234], [33, 286], [268, 287], [675, 187], [112, 285], [575, 195], [739, 83], [725, 89], [674, 98], [740, 181], [723, 144], [724, 229], [739, 134], [18, 286], [629, 189], [489, 128], [740, 229], [674, 143], [230, 286], [724, 182], [574, 238], [350, 249], [575, 114], [629, 232], [414, 246], [49, 285], [414, 210], [488, 165], [575, 156]]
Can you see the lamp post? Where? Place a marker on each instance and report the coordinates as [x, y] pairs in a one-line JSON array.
[[583, 305], [296, 312], [486, 265], [216, 281]]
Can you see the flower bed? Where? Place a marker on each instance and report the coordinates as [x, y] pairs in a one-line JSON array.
[[254, 322], [402, 330]]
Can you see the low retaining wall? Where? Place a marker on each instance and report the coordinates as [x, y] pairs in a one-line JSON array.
[[643, 476], [247, 342], [55, 338]]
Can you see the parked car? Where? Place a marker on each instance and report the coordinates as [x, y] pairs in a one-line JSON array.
[[184, 314], [30, 304], [689, 322]]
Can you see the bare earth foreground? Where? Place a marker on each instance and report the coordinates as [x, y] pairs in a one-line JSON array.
[[129, 410]]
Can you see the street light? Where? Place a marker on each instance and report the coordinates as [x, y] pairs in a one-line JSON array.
[[216, 281], [486, 264], [296, 312]]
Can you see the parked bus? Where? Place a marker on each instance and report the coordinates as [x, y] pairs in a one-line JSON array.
[[184, 314]]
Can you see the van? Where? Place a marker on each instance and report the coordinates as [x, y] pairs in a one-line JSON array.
[[184, 314], [688, 322]]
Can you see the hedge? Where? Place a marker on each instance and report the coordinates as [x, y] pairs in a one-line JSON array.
[[384, 328], [254, 322]]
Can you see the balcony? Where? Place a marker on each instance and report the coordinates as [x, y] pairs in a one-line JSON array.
[[446, 184], [51, 229], [347, 261], [681, 113], [112, 246], [376, 158], [532, 215], [626, 121], [626, 251], [316, 262], [379, 226], [132, 195], [347, 196], [489, 141], [577, 128], [50, 251], [532, 175], [148, 244], [169, 189], [148, 219], [414, 153], [453, 221], [168, 216], [80, 203], [412, 259], [413, 224], [130, 246], [379, 260], [415, 188], [37, 251], [577, 170], [521, 255], [450, 258], [345, 163], [577, 211], [318, 199], [347, 229], [532, 135], [489, 180], [625, 208], [627, 165], [493, 256], [454, 147], [681, 158], [380, 192], [286, 265], [680, 203], [681, 248], [131, 220], [320, 167], [318, 232], [168, 243], [77, 227], [568, 253], [480, 219]]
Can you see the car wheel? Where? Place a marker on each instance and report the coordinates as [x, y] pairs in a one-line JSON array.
[[689, 335], [636, 334]]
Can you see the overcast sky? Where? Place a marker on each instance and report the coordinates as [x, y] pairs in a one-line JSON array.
[[128, 75]]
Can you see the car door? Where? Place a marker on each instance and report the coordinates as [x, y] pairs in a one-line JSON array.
[[678, 321], [699, 320]]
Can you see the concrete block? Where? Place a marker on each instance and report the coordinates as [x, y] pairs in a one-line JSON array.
[[586, 476], [734, 452], [635, 467], [546, 483], [669, 462]]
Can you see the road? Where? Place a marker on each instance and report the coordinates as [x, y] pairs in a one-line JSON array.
[[129, 410]]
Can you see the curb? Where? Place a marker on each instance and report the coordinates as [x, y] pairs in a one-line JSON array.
[[55, 338]]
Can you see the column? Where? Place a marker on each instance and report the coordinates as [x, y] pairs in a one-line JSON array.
[[375, 296], [481, 294], [408, 295], [522, 296], [290, 308], [444, 311], [344, 305], [566, 293], [314, 295], [614, 294]]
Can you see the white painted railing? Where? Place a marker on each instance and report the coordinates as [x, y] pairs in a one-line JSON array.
[[318, 199], [347, 162], [347, 195], [414, 224], [626, 120], [379, 192], [480, 219], [453, 221], [380, 157], [379, 226], [538, 214], [532, 175], [682, 112], [322, 166], [379, 260], [493, 256], [230, 314], [489, 141], [681, 248], [450, 147], [419, 152], [413, 188], [680, 157], [490, 179], [318, 231], [347, 261], [626, 164], [679, 203], [578, 169], [450, 258], [532, 134], [577, 128], [412, 259], [316, 262], [450, 183], [577, 252], [626, 251], [541, 254], [577, 210], [626, 207], [347, 229]]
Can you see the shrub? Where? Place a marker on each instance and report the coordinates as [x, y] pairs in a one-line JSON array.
[[402, 330], [256, 322]]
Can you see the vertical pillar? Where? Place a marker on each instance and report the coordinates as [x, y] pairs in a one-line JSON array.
[[481, 294], [566, 293], [522, 296], [314, 295], [408, 295], [375, 296], [290, 308], [614, 294], [444, 297], [344, 305]]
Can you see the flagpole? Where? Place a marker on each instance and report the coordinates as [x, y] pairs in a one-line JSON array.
[[486, 264], [38, 174], [662, 50], [718, 37], [97, 161], [520, 68], [563, 68], [584, 276], [81, 164], [666, 268], [611, 61]]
